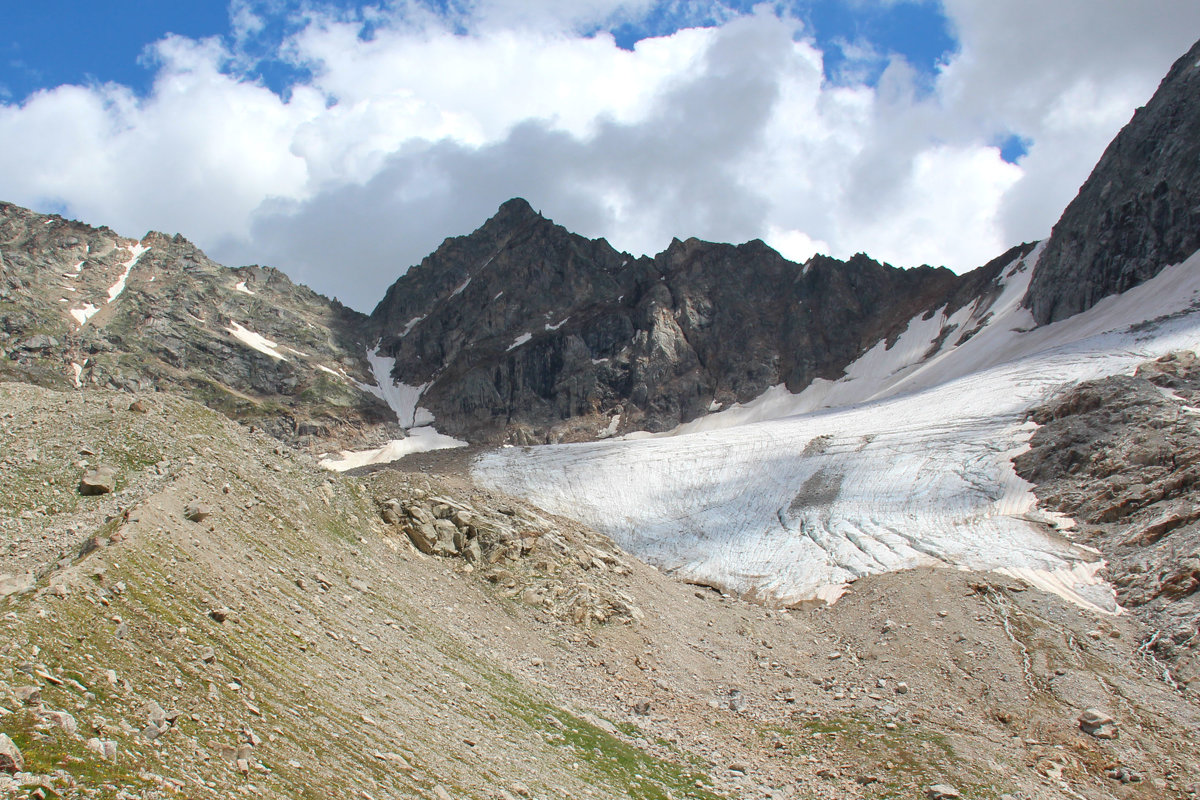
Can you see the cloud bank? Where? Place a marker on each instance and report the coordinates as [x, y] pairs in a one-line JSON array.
[[401, 126]]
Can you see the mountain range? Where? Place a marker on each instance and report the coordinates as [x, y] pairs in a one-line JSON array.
[[259, 542]]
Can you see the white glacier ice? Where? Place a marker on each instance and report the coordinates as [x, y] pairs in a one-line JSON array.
[[904, 461]]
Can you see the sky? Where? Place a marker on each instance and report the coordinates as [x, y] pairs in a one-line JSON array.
[[342, 141]]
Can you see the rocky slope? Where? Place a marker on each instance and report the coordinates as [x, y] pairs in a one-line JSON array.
[[525, 332], [1138, 212], [83, 306], [1122, 457], [231, 620]]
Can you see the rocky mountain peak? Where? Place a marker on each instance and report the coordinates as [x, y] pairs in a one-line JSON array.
[[1138, 212], [82, 306], [523, 331]]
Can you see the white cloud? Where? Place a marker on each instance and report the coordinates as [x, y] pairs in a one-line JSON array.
[[416, 132]]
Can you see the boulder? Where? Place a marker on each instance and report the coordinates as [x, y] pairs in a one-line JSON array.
[[423, 536], [197, 511], [101, 480], [1098, 724], [11, 759]]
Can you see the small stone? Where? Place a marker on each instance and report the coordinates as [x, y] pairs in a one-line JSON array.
[[137, 407], [220, 614], [641, 708], [208, 655], [29, 695], [901, 688], [197, 511], [62, 720], [942, 791], [394, 758]]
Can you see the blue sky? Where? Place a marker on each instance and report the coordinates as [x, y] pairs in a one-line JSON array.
[[342, 141], [108, 41]]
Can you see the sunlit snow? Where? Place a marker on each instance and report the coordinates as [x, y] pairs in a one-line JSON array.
[[520, 340], [255, 341], [412, 323], [419, 440], [115, 290], [240, 286], [905, 461], [84, 312], [402, 399]]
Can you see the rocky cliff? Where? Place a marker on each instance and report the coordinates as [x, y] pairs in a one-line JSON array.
[[1121, 456], [83, 306], [1138, 212], [525, 331]]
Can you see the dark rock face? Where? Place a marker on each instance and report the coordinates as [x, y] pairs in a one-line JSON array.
[[171, 326], [1138, 212], [1122, 457], [525, 331]]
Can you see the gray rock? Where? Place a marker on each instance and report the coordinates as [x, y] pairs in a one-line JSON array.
[[11, 759], [101, 480], [38, 343], [554, 335], [1138, 212], [446, 535], [61, 720], [1098, 724], [29, 695], [942, 791], [197, 511], [423, 536]]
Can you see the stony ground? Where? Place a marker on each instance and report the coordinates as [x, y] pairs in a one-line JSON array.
[[232, 620]]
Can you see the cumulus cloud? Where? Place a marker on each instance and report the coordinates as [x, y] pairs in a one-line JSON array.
[[407, 126]]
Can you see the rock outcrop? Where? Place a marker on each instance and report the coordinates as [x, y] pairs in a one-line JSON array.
[[83, 306], [1138, 212], [525, 332], [1121, 456]]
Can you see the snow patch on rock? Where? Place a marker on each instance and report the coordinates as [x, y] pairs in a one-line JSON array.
[[83, 313], [419, 440], [255, 341], [115, 290]]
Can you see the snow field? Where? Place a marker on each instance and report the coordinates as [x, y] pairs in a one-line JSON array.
[[904, 461]]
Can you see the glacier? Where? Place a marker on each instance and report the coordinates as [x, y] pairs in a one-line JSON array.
[[904, 461]]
